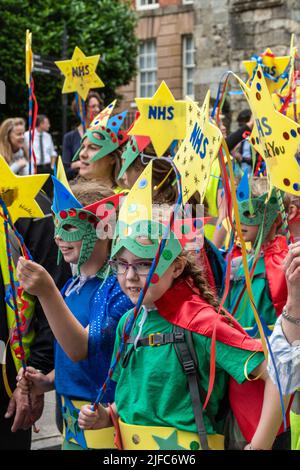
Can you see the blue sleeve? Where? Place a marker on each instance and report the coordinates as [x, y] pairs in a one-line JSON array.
[[108, 306]]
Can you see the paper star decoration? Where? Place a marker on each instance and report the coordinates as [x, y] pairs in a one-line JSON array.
[[18, 192], [28, 57], [272, 65], [73, 431], [198, 150], [80, 73], [274, 136], [162, 118], [293, 107], [170, 443], [289, 98]]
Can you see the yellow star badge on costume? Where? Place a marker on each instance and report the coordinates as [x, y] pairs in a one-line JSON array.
[[274, 136], [80, 73], [28, 57], [162, 118], [272, 66], [18, 193], [198, 150]]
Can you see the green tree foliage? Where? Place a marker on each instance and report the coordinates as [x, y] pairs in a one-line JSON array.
[[103, 27]]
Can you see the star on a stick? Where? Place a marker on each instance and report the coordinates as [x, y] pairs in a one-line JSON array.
[[273, 66], [274, 136], [18, 193], [162, 118], [80, 73], [203, 140]]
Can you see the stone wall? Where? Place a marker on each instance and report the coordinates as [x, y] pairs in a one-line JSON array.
[[229, 31]]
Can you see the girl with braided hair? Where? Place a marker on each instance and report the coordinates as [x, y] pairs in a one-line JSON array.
[[178, 341]]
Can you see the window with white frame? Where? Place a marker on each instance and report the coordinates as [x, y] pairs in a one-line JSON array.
[[187, 2], [146, 4], [147, 77], [188, 60]]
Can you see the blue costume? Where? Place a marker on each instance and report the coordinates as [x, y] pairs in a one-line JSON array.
[[99, 305]]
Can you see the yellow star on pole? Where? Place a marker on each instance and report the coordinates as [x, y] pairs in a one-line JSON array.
[[80, 73], [272, 65], [18, 193], [162, 118], [274, 136], [198, 150], [28, 57]]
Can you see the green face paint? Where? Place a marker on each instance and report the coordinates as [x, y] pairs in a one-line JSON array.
[[127, 237], [263, 214], [73, 225]]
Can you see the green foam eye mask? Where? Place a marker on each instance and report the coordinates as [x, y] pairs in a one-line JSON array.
[[84, 224], [263, 214], [104, 138], [127, 237]]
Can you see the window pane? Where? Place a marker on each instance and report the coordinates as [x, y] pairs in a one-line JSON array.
[[188, 61], [147, 68]]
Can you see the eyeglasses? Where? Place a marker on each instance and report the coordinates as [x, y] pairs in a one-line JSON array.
[[141, 268]]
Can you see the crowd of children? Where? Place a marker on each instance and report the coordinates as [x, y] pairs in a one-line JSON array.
[[148, 353]]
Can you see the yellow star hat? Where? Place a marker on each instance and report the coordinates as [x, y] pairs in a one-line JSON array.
[[274, 136], [80, 73], [18, 192], [162, 118], [272, 65], [198, 150]]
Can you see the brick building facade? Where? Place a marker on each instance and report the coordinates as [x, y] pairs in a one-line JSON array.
[[194, 42], [165, 29]]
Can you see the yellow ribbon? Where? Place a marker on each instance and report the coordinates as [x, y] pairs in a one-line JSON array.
[[243, 247]]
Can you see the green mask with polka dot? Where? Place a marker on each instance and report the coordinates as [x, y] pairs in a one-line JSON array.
[[261, 213], [128, 236], [73, 225]]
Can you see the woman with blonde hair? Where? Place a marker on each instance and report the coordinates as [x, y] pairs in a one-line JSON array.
[[12, 145]]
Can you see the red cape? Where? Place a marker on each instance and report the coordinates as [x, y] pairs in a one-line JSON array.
[[274, 255], [181, 305]]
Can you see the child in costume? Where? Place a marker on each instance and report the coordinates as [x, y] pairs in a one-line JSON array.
[[279, 342], [137, 153], [293, 210], [152, 401], [99, 151], [285, 342], [260, 219], [92, 300]]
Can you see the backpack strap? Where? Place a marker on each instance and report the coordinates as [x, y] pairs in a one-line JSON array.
[[185, 350], [188, 359], [154, 339]]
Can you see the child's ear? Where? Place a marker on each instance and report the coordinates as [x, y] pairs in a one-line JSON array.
[[292, 211], [179, 265]]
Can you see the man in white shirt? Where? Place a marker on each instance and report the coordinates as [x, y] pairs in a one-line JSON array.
[[44, 149]]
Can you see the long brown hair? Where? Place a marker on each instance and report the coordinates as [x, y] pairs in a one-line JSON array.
[[194, 272], [6, 128]]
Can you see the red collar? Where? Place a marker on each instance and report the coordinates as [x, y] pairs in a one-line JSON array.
[[181, 305]]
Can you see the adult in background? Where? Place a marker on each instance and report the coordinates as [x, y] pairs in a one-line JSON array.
[[12, 145], [44, 149], [71, 140], [15, 419]]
